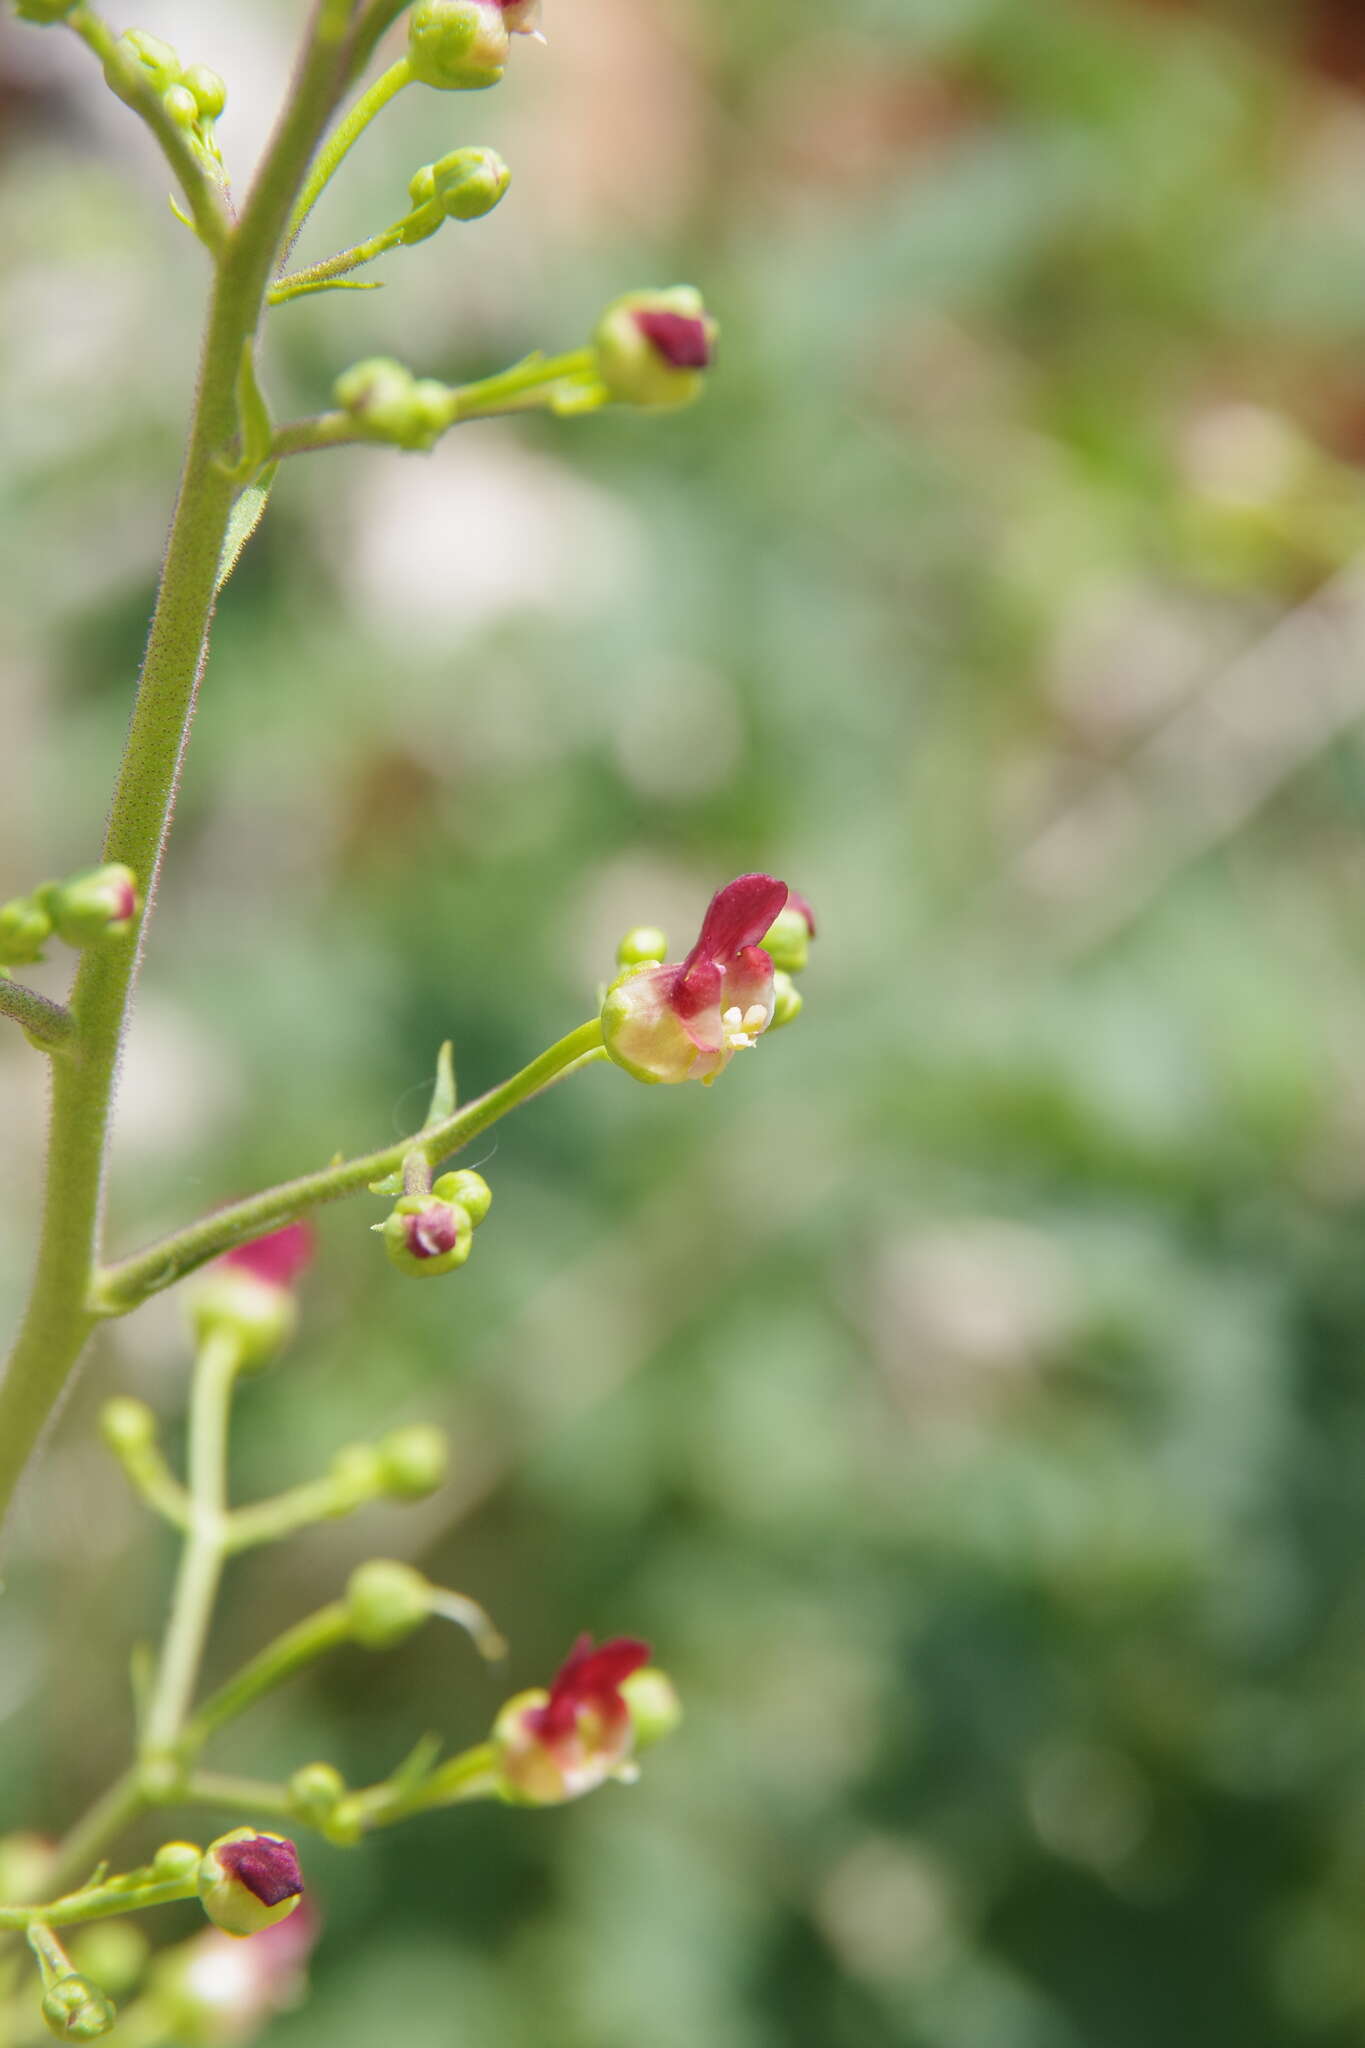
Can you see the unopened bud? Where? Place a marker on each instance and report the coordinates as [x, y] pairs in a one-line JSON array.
[[102, 903], [386, 1601], [458, 45], [787, 941], [315, 1792], [248, 1881], [655, 1709], [413, 1461], [127, 1426], [788, 1001], [209, 91], [462, 186], [77, 2010], [424, 1235], [386, 399], [642, 946], [25, 927], [182, 106], [174, 1862], [138, 61], [654, 347], [469, 1190]]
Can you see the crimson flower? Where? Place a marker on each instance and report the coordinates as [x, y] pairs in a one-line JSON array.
[[685, 1021], [559, 1744]]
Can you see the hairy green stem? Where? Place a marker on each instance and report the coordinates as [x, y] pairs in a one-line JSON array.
[[298, 282], [121, 1287], [523, 386], [59, 1318], [50, 1026], [342, 140]]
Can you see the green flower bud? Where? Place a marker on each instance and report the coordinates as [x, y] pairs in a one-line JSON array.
[[209, 91], [24, 929], [77, 2010], [114, 1953], [182, 106], [386, 1601], [653, 347], [413, 1461], [102, 903], [642, 946], [470, 182], [458, 45], [788, 1001], [138, 61], [787, 942], [470, 1190], [174, 1862], [127, 1426], [249, 1881], [384, 397], [315, 1792], [425, 1235], [655, 1709]]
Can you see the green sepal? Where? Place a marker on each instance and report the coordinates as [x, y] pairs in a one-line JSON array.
[[443, 1095]]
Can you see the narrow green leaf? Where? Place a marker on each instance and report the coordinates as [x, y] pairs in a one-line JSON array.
[[245, 518], [443, 1097]]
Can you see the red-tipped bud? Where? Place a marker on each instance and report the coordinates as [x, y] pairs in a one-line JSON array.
[[653, 347], [248, 1881], [248, 1293], [100, 904]]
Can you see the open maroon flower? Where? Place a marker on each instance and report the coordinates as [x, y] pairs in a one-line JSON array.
[[685, 1021], [556, 1745]]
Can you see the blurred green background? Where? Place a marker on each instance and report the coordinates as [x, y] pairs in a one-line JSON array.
[[967, 1396]]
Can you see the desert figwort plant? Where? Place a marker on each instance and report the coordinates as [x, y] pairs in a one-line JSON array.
[[659, 1021]]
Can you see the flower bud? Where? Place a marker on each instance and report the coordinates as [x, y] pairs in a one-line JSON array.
[[458, 45], [127, 1426], [642, 947], [653, 347], [248, 1881], [174, 1862], [315, 1793], [137, 61], [462, 186], [209, 91], [247, 1293], [655, 1709], [386, 399], [182, 106], [413, 1461], [25, 926], [100, 904], [788, 1001], [424, 1235], [787, 941], [77, 2010], [469, 1190], [386, 1601]]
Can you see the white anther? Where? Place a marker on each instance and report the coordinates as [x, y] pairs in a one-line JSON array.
[[755, 1017], [734, 1018]]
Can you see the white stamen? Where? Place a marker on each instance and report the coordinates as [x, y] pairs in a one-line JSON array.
[[755, 1017], [734, 1017]]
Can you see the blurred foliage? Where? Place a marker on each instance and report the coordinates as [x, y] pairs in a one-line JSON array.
[[966, 1396]]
